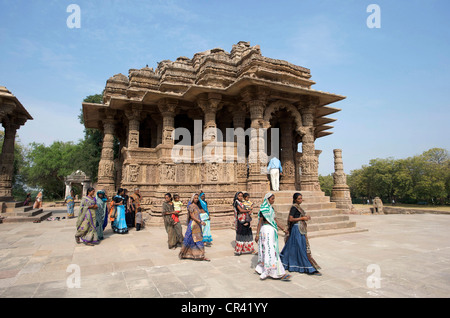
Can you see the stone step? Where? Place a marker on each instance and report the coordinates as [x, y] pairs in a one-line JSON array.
[[315, 199], [19, 219], [11, 206], [306, 206], [339, 231], [305, 194], [314, 214], [319, 218], [26, 212]]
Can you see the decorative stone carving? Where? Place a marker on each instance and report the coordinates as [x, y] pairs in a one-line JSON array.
[[240, 89]]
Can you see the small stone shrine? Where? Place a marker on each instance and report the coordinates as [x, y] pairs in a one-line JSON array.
[[12, 116]]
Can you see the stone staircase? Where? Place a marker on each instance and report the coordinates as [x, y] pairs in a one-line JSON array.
[[15, 212], [326, 219]]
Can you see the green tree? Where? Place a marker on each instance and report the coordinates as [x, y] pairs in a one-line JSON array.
[[424, 177], [326, 184], [49, 165]]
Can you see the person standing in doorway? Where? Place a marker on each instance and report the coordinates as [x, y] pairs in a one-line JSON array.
[[275, 170]]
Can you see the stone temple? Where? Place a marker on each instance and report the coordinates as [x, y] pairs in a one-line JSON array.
[[206, 94]]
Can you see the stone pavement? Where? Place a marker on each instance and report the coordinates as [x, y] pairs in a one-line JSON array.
[[410, 254]]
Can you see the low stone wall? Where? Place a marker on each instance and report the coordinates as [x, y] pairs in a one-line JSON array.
[[400, 210]]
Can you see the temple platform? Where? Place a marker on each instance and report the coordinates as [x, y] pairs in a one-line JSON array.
[[326, 219], [16, 212]]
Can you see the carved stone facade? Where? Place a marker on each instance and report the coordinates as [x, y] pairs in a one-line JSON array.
[[12, 116], [199, 99]]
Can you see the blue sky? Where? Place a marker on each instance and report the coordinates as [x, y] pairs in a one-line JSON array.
[[396, 78]]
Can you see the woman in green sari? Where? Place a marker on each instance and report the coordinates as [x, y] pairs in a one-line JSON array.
[[101, 213], [269, 262], [86, 230]]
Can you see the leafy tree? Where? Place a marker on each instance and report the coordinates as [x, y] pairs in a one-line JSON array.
[[49, 165], [424, 177], [326, 184]]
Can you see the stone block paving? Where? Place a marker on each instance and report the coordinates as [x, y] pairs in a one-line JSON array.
[[410, 254]]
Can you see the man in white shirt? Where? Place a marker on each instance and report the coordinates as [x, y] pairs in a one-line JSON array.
[[275, 170]]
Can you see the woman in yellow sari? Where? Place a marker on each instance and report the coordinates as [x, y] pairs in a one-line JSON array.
[[86, 230]]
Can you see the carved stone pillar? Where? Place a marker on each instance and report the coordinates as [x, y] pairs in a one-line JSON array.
[[106, 169], [167, 109], [239, 114], [133, 115], [7, 158], [210, 106], [287, 181], [341, 191], [309, 162], [258, 183]]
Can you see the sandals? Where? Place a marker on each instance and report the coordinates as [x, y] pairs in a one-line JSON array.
[[77, 240], [286, 278]]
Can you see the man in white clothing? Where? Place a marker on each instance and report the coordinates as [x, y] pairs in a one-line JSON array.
[[275, 170]]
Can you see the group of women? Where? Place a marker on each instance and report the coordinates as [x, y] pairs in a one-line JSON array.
[[296, 254], [95, 212], [294, 257], [198, 226]]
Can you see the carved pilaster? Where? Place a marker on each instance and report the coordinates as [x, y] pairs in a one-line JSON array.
[[133, 115], [257, 160], [106, 169], [168, 110], [210, 105], [7, 155], [309, 161], [287, 181]]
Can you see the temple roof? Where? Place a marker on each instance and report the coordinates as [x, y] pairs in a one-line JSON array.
[[11, 106], [212, 71]]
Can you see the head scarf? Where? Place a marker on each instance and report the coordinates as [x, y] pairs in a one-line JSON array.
[[191, 201], [236, 198], [203, 204], [267, 211]]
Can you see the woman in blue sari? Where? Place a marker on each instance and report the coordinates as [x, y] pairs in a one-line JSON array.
[[204, 215], [70, 200], [193, 246], [296, 254], [119, 224]]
